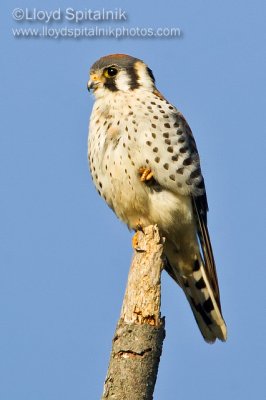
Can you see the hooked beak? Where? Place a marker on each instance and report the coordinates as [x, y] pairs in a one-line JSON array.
[[94, 82], [92, 85]]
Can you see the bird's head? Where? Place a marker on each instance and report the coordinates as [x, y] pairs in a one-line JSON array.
[[119, 72]]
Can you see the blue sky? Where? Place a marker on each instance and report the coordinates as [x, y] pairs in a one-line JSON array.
[[64, 256]]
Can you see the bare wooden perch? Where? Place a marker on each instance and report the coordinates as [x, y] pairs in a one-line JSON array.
[[138, 340]]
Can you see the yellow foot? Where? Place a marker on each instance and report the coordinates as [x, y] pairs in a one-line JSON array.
[[135, 241], [145, 174]]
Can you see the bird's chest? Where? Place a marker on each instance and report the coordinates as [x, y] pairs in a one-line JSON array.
[[115, 157]]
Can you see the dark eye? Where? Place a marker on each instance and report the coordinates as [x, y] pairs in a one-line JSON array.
[[110, 72]]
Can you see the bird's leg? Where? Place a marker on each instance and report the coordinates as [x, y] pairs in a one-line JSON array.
[[145, 174]]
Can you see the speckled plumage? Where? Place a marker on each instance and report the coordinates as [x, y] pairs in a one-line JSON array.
[[132, 128]]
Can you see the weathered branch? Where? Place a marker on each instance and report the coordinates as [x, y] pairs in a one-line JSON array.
[[138, 340]]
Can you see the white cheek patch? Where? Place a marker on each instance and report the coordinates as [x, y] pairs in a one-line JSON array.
[[144, 78], [122, 81]]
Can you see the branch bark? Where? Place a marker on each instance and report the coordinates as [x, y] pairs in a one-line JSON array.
[[139, 335]]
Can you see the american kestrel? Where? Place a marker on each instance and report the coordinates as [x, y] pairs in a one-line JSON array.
[[145, 164]]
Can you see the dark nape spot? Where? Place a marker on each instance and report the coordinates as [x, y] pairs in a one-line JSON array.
[[180, 171], [165, 116], [208, 305], [157, 159], [155, 117], [175, 157], [153, 126], [101, 185], [155, 149], [148, 143], [172, 177], [167, 125], [166, 166], [99, 192], [200, 284], [167, 141], [124, 145], [179, 132], [153, 135], [130, 113], [151, 74], [129, 137], [132, 163], [159, 106], [176, 125], [111, 174], [166, 135], [147, 161], [171, 107], [181, 140], [196, 266], [106, 167], [118, 123], [179, 184], [126, 128], [162, 111], [149, 108], [170, 149], [188, 161], [183, 149], [152, 102]]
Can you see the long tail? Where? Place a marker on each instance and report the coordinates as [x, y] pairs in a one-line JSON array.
[[206, 310]]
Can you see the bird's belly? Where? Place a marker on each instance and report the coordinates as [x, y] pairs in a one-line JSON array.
[[126, 195], [136, 203], [170, 211], [115, 159]]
